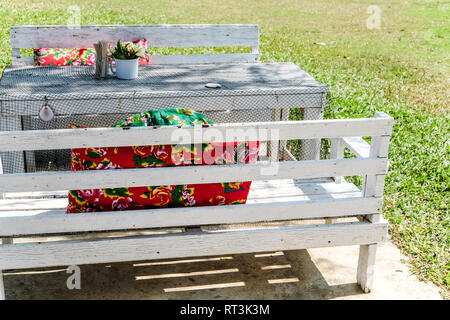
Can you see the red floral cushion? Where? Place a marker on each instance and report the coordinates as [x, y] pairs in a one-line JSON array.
[[160, 156], [76, 57]]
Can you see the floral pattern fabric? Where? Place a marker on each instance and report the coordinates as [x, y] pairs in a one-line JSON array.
[[76, 57], [133, 198]]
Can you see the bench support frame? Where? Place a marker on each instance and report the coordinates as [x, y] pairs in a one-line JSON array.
[[371, 162], [373, 186]]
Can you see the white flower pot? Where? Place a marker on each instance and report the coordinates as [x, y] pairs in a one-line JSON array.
[[126, 69]]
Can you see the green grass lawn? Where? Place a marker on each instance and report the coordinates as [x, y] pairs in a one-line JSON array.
[[401, 68]]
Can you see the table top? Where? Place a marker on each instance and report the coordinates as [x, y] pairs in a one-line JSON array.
[[163, 80]]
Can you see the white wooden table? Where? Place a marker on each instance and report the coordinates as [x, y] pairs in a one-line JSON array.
[[249, 92]]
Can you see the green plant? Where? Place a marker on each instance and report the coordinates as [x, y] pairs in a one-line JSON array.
[[127, 51]]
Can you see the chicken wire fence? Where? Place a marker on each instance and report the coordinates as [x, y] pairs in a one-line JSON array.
[[80, 100]]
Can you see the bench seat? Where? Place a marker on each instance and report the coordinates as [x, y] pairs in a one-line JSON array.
[[22, 216], [40, 216]]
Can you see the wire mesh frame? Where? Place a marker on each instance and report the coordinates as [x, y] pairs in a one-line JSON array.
[[78, 100], [53, 160]]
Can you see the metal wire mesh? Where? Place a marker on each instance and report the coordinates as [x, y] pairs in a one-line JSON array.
[[75, 97]]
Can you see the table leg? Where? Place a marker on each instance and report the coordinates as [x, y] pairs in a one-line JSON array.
[[284, 116], [29, 156], [273, 146], [13, 162]]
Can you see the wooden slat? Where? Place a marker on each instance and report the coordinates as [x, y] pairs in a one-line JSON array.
[[263, 131], [35, 195], [337, 152], [258, 190], [177, 59], [193, 35], [265, 189], [58, 221], [27, 207], [373, 184], [62, 253], [204, 58], [22, 61], [2, 287], [358, 146], [92, 179], [323, 183]]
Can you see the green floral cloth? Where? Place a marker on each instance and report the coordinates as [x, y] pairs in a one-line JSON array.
[[166, 117]]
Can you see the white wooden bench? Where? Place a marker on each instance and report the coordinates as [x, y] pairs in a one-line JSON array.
[[158, 36], [301, 204]]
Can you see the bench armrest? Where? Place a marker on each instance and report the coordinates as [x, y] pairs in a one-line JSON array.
[[357, 146]]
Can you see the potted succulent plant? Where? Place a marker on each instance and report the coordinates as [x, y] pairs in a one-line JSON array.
[[125, 56]]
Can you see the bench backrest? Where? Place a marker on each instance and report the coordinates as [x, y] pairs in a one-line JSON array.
[[169, 36], [372, 163]]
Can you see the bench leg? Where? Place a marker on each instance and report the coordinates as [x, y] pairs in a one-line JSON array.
[[366, 265], [2, 287]]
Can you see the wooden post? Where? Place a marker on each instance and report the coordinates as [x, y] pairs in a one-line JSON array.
[[2, 287], [273, 146], [373, 186], [282, 143], [311, 147], [1, 172], [366, 264], [337, 152]]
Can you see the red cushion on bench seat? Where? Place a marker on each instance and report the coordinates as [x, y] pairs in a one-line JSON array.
[[76, 57]]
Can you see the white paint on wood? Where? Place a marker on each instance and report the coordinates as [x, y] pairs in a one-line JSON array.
[[165, 35], [46, 254], [29, 206], [311, 147], [60, 222], [204, 58], [2, 287], [337, 152], [358, 146], [93, 179], [16, 52], [259, 190], [226, 132], [35, 195], [22, 61], [373, 184], [366, 264], [266, 189], [2, 195], [156, 35]]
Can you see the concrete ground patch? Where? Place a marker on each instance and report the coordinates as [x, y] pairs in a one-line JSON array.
[[325, 273]]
